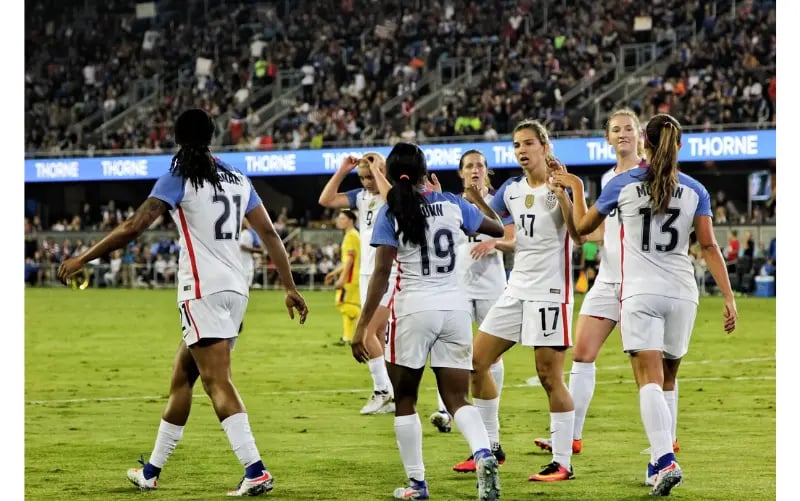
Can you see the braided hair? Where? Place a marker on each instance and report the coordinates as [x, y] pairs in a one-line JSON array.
[[193, 132]]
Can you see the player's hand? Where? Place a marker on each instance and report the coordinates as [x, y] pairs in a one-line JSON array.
[[349, 163], [377, 163], [294, 301], [472, 194], [482, 249], [566, 180], [359, 345], [68, 268], [329, 278], [433, 183], [730, 315]]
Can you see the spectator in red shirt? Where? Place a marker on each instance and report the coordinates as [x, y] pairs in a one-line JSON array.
[[732, 252]]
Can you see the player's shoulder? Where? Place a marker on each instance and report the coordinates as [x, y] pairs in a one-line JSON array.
[[444, 196], [692, 183], [511, 183]]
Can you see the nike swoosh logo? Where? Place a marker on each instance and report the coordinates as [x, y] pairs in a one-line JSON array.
[[513, 198], [546, 334]]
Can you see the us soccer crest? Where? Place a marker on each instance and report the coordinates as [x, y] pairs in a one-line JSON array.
[[550, 200], [372, 204], [528, 201]]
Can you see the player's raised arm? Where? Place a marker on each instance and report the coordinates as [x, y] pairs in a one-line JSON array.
[[330, 196]]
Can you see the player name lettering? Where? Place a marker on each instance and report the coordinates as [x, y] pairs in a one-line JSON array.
[[644, 191], [432, 210], [229, 177]]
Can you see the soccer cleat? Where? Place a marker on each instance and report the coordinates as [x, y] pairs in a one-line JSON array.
[[442, 421], [666, 479], [468, 465], [136, 476], [676, 448], [415, 490], [253, 486], [380, 402], [546, 444], [488, 476], [650, 476], [552, 472]]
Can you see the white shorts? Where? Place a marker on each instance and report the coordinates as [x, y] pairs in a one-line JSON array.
[[530, 323], [446, 335], [479, 308], [363, 287], [216, 316], [652, 322], [602, 301]]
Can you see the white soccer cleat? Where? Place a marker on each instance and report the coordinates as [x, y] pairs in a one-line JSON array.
[[379, 403], [442, 421], [253, 486], [488, 477], [136, 476]]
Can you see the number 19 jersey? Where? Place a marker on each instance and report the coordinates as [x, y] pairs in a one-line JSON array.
[[426, 277], [655, 247], [209, 224], [543, 252]]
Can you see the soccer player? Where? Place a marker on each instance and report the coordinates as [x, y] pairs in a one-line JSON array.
[[345, 276], [658, 207], [600, 309], [249, 244], [536, 308], [368, 200], [483, 277], [208, 200], [430, 315]]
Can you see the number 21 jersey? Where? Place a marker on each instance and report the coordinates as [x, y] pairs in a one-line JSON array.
[[209, 224]]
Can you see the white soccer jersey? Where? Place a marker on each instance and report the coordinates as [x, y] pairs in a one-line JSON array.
[[655, 247], [483, 278], [427, 278], [609, 251], [368, 205], [543, 252], [209, 224]]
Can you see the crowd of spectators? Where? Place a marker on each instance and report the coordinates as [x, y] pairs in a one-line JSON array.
[[351, 58]]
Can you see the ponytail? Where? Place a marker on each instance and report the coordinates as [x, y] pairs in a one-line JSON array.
[[663, 137], [406, 167]]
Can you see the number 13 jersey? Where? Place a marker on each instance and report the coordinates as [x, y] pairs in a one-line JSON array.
[[209, 225], [654, 254], [543, 251]]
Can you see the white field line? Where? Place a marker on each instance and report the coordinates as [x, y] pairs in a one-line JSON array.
[[530, 382]]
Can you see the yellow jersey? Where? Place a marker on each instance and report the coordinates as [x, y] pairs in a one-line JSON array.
[[351, 249]]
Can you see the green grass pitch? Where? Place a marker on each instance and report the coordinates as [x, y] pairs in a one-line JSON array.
[[97, 366]]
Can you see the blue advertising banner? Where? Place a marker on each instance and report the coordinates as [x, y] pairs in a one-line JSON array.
[[698, 147]]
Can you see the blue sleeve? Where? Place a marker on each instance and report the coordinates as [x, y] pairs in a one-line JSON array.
[[498, 204], [351, 196], [169, 188], [470, 214], [609, 196], [383, 229], [255, 200]]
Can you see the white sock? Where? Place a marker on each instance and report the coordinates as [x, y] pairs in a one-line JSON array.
[[442, 407], [498, 374], [237, 427], [380, 378], [581, 386], [408, 431], [561, 425], [672, 402], [166, 440], [468, 420], [656, 419], [488, 410]]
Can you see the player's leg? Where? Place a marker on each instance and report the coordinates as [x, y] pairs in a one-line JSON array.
[[671, 366], [643, 329], [220, 314], [408, 352], [381, 401], [451, 361], [550, 371], [173, 420], [497, 369]]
